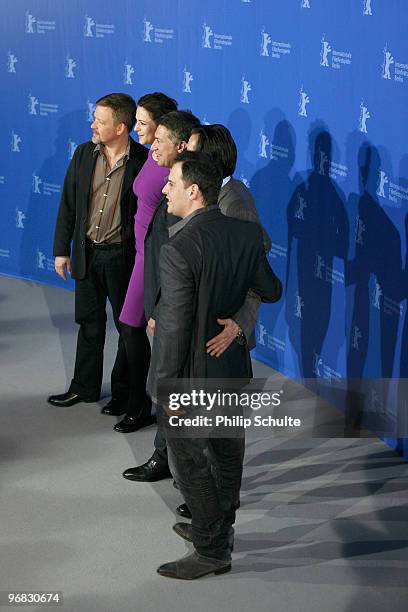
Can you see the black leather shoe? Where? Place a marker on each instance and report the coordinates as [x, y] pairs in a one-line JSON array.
[[115, 407], [151, 471], [193, 566], [184, 530], [184, 511], [129, 424], [65, 399]]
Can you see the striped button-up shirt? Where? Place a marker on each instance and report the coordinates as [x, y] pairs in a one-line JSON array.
[[104, 223]]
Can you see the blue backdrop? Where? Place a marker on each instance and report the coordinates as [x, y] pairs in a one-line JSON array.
[[315, 93]]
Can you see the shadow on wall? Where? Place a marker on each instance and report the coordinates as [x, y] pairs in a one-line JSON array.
[[374, 275], [318, 231], [36, 257], [272, 186], [239, 124]]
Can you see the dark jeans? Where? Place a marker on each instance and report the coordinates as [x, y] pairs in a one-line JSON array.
[[106, 278], [137, 348], [208, 473], [160, 444]]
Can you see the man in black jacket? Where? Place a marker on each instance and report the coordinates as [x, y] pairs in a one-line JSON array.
[[94, 242], [206, 270], [234, 200]]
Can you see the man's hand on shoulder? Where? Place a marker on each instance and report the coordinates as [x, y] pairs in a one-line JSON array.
[[217, 345], [62, 266]]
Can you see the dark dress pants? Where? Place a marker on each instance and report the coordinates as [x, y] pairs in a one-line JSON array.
[[208, 473], [160, 444], [138, 355], [106, 278]]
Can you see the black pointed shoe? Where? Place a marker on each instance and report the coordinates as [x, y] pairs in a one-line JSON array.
[[129, 424], [151, 471], [184, 530], [193, 566], [64, 399], [184, 511], [115, 407]]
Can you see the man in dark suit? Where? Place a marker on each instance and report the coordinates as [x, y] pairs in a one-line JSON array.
[[206, 270], [234, 200], [94, 242]]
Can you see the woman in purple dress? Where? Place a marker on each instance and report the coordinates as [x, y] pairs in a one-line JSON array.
[[148, 187]]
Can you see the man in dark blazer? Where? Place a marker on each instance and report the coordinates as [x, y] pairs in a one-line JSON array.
[[94, 242], [234, 200], [206, 270]]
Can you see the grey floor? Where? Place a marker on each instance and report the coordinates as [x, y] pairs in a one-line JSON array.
[[323, 524]]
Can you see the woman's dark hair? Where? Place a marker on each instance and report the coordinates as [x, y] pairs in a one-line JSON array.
[[157, 104]]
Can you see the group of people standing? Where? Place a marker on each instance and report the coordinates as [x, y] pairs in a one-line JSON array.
[[174, 242]]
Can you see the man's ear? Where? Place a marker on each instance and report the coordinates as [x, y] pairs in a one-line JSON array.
[[194, 191], [120, 129], [182, 145]]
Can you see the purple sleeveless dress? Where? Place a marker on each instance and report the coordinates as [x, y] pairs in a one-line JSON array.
[[148, 187]]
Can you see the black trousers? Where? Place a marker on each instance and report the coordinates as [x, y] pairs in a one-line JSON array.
[[208, 473], [137, 347], [160, 445], [106, 278]]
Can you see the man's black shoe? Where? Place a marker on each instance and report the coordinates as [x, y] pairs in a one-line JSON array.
[[129, 424], [65, 399], [115, 407], [184, 530], [151, 471], [183, 511], [193, 566]]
